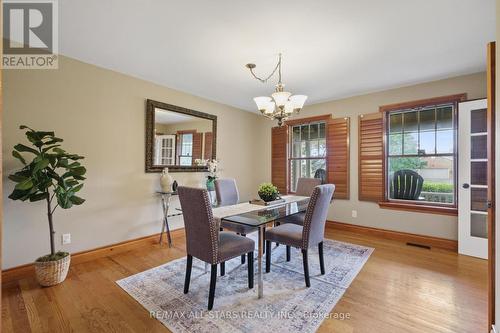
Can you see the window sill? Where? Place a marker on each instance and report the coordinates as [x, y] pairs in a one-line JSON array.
[[452, 211]]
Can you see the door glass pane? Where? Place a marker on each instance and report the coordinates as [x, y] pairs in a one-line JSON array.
[[478, 173], [410, 143], [478, 121], [396, 123], [478, 198], [427, 120], [444, 141], [478, 145], [479, 225], [428, 142], [444, 117]]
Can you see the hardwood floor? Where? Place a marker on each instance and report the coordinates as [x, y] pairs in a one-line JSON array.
[[400, 289]]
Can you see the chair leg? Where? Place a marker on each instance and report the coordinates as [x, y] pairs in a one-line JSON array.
[[306, 268], [189, 265], [222, 268], [213, 280], [321, 258], [243, 256], [288, 253], [250, 270], [268, 256]]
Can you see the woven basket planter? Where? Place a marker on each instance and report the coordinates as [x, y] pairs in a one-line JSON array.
[[50, 273]]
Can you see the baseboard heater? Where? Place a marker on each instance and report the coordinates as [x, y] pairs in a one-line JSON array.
[[419, 245]]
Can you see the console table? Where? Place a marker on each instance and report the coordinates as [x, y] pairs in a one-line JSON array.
[[165, 203]]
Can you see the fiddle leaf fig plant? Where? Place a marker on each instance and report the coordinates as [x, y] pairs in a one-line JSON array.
[[49, 173]]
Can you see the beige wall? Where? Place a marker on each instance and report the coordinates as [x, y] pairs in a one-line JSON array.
[[101, 115], [369, 214]]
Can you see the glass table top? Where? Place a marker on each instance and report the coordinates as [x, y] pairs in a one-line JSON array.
[[268, 214]]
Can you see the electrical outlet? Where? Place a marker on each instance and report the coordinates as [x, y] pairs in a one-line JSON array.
[[66, 239], [354, 213]]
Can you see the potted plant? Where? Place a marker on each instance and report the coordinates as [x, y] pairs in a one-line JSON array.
[[52, 175], [268, 192]]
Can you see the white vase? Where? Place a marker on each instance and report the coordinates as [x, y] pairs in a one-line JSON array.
[[166, 181]]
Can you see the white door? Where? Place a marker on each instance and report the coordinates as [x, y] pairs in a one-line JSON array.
[[165, 150], [472, 179]]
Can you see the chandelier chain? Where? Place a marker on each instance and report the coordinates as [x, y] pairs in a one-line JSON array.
[[277, 68]]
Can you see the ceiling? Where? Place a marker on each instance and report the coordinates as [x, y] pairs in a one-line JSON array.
[[331, 48], [170, 117]]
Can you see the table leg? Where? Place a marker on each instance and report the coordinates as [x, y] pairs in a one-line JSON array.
[[260, 284], [165, 201]]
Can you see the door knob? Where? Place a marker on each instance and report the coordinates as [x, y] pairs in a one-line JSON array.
[[465, 185]]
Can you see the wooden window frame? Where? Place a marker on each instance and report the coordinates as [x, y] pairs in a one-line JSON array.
[[423, 207], [303, 121]]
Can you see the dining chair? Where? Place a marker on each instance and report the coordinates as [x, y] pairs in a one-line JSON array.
[[305, 186], [306, 236], [227, 194], [205, 242]]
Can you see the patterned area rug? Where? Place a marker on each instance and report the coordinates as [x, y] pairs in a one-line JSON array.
[[287, 305]]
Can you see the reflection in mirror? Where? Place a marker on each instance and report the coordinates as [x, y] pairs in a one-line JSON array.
[[180, 139]]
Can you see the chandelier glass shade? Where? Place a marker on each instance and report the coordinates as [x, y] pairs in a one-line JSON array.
[[282, 104]]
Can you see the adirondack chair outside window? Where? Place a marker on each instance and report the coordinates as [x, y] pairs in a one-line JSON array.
[[406, 185]]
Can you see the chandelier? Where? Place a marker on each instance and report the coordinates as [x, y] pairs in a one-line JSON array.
[[282, 104]]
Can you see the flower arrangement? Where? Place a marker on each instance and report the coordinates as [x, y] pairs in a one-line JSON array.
[[268, 192], [212, 171]]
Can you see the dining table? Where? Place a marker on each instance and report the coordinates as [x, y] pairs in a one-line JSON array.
[[258, 217]]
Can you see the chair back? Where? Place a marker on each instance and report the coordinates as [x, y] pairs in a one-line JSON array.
[[202, 233], [406, 185], [305, 186], [226, 192], [314, 222]]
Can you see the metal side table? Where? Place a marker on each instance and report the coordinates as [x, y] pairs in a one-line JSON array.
[[165, 203]]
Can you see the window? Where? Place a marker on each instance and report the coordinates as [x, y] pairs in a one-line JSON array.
[[307, 151], [186, 149], [421, 154]]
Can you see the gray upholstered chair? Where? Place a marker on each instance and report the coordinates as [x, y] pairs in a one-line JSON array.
[[204, 240], [305, 186], [227, 194], [308, 235]]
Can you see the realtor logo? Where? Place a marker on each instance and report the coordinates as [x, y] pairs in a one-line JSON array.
[[30, 39]]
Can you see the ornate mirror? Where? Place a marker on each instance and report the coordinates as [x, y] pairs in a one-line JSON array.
[[178, 138]]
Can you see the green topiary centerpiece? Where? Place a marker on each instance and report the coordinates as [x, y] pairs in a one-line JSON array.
[[268, 192]]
